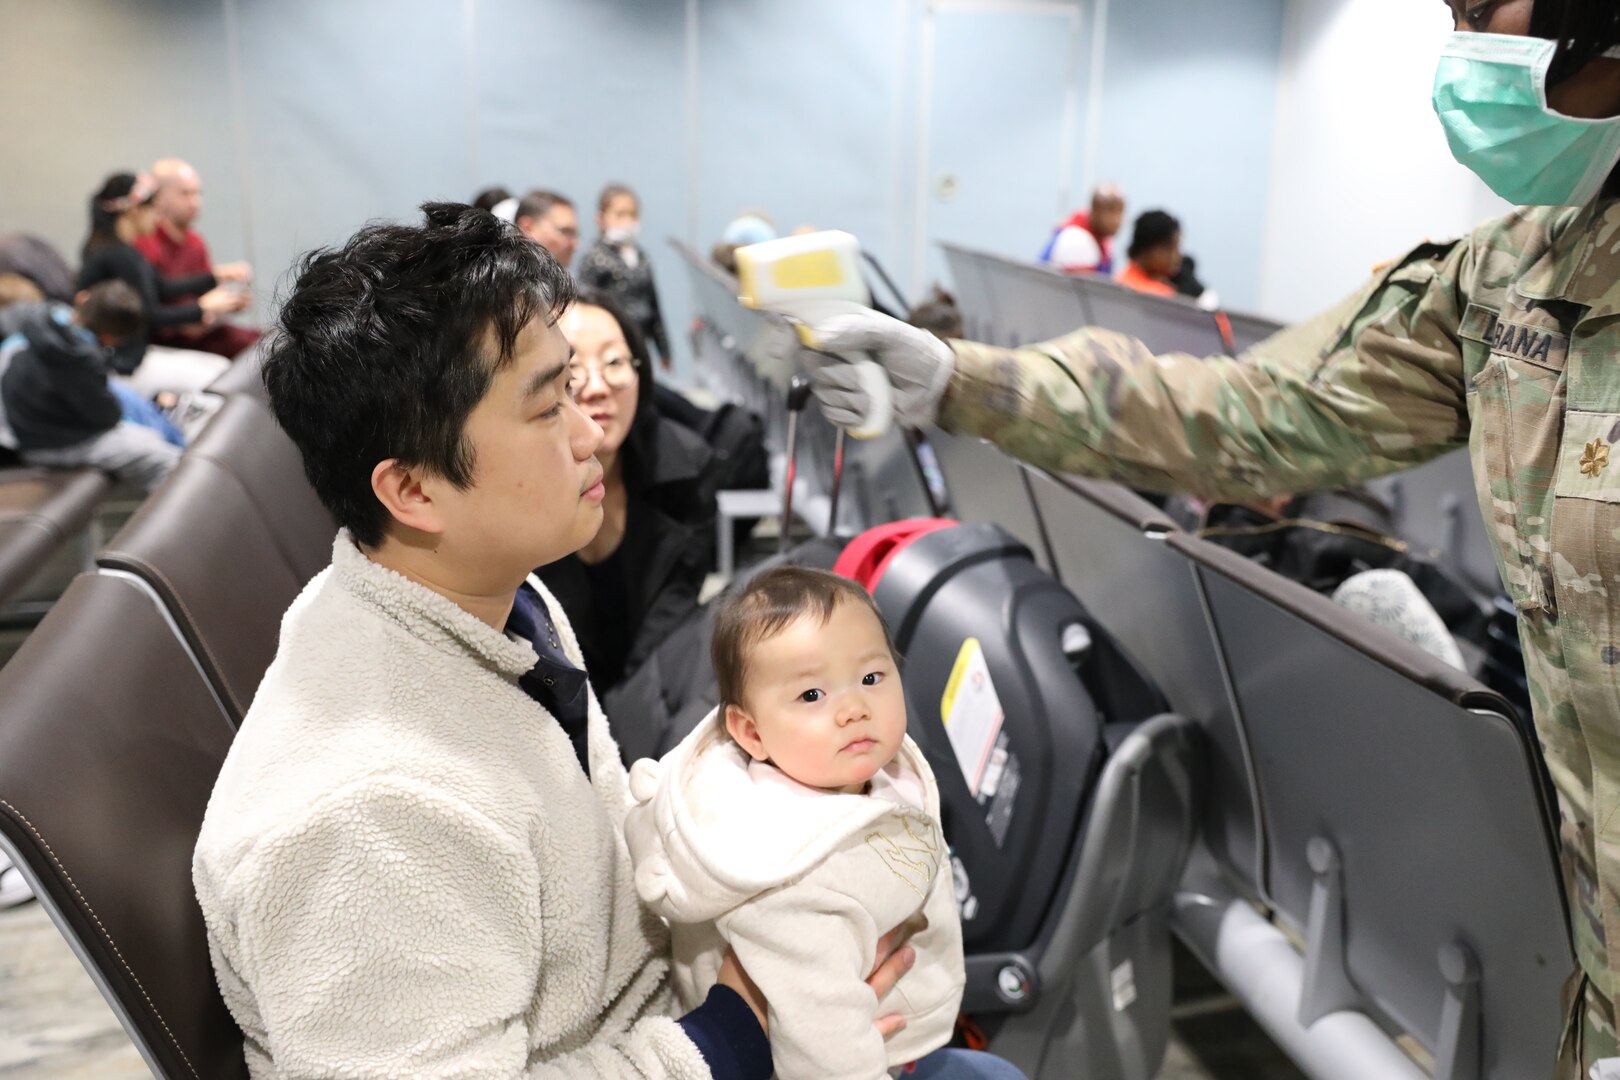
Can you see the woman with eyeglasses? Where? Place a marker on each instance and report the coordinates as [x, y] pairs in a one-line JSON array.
[[639, 579]]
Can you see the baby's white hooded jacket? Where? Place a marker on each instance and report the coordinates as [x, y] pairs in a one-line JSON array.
[[802, 883]]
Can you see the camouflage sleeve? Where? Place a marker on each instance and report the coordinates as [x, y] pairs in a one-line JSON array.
[[1371, 386]]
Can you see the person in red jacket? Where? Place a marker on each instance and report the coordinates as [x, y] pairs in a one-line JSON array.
[[176, 250], [1085, 243]]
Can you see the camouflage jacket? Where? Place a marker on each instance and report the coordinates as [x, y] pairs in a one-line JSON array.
[[1508, 341]]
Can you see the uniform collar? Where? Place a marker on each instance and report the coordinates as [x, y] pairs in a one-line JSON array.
[[1582, 264]]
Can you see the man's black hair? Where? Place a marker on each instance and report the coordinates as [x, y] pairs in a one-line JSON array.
[[385, 345], [1153, 229], [1584, 30]]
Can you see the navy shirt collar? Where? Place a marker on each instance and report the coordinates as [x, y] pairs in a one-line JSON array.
[[554, 682]]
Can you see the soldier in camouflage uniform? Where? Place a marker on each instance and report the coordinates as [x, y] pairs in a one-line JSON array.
[[1507, 341]]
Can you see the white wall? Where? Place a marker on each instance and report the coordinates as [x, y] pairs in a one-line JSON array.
[[1360, 169]]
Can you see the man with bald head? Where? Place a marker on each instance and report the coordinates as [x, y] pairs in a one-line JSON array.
[[1085, 243], [175, 250]]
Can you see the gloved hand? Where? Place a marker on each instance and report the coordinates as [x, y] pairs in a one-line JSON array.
[[919, 366]]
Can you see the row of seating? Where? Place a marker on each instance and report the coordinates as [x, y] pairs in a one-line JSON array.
[[42, 512], [117, 712], [1386, 810], [1010, 302], [1377, 876]]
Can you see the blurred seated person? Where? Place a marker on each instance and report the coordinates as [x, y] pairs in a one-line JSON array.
[[750, 227], [724, 256], [491, 197], [1155, 255], [1085, 243], [550, 220], [939, 314], [619, 265], [35, 259], [121, 213], [57, 408], [178, 251], [1188, 284], [20, 301], [640, 577], [17, 289]]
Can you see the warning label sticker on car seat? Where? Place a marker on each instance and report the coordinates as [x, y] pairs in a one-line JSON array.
[[973, 716]]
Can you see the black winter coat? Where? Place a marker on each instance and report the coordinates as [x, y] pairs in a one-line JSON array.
[[53, 385], [122, 262], [624, 608], [605, 268]]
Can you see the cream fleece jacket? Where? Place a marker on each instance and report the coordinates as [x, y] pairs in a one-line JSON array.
[[405, 872], [802, 883]]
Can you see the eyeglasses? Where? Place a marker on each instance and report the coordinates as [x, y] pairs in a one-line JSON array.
[[618, 373]]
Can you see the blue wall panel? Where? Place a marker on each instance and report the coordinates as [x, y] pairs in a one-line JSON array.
[[354, 110], [795, 115], [1189, 105], [574, 95]]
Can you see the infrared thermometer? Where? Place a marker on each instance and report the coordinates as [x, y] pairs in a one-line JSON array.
[[807, 279]]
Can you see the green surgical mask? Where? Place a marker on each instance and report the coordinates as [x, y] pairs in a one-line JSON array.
[[1491, 94]]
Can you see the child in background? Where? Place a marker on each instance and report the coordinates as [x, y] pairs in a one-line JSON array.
[[797, 825], [56, 405], [619, 266]]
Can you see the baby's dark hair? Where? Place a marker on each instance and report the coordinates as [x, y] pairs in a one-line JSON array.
[[767, 604]]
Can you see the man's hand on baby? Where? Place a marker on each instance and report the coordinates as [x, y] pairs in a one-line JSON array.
[[733, 975], [895, 958]]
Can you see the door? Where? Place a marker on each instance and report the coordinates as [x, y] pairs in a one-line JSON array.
[[1000, 131]]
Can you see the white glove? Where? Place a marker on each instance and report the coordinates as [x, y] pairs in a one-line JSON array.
[[919, 366]]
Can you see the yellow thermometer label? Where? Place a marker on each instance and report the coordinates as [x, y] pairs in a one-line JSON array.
[[812, 270]]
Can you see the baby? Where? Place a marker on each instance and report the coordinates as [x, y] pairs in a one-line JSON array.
[[797, 825]]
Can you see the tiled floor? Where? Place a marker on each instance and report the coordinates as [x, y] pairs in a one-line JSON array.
[[53, 1022], [1212, 1038]]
